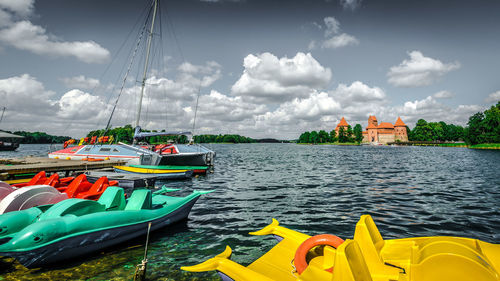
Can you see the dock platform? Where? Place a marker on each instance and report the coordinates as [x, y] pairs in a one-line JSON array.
[[11, 168]]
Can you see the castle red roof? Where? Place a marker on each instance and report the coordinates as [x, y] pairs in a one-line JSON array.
[[372, 117], [342, 123], [371, 126], [399, 123], [385, 125]]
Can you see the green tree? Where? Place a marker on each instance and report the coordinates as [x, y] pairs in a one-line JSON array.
[[437, 132], [484, 127], [358, 133], [333, 136], [491, 124], [475, 130], [39, 137], [342, 137], [229, 138], [314, 137], [422, 131], [349, 134], [323, 136], [304, 137]]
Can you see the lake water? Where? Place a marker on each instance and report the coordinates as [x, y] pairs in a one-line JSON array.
[[409, 191]]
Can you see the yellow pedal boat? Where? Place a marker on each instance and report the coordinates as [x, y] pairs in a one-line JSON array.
[[365, 257]]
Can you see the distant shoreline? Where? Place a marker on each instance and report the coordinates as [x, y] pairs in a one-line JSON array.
[[463, 145]]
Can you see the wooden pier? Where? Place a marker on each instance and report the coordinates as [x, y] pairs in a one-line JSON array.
[[13, 167]]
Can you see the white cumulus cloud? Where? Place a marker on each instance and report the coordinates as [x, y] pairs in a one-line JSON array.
[[338, 41], [332, 26], [432, 110], [19, 7], [493, 97], [26, 36], [77, 104], [350, 4], [271, 79], [311, 108], [443, 95], [17, 31], [27, 96], [80, 82], [419, 70], [217, 106], [333, 38]]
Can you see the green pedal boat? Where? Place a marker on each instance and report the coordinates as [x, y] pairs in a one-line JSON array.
[[49, 234]]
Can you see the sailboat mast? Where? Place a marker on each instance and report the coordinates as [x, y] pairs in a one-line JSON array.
[[150, 37], [3, 111]]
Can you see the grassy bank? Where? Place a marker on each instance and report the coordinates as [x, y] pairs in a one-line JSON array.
[[453, 144], [485, 146]]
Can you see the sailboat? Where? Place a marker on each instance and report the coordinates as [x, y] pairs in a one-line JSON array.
[[173, 154]]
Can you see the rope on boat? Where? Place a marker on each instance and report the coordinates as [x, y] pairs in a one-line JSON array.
[[140, 269]]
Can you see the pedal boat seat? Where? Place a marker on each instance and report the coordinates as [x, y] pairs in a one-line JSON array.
[[425, 258], [73, 206], [140, 199]]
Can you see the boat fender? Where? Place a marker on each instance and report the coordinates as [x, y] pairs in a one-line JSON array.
[[317, 240]]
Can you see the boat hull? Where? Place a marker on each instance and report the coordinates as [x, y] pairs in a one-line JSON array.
[[126, 181], [197, 170], [161, 175], [88, 243], [10, 147], [195, 159], [105, 151]]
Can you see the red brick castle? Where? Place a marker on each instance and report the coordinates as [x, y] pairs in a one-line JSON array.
[[380, 133]]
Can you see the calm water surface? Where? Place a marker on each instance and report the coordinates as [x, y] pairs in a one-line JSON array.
[[409, 191]]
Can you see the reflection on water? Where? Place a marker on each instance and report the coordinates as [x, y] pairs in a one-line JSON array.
[[409, 191]]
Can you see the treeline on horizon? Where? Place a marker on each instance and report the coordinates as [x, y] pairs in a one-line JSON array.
[[348, 135], [222, 138], [482, 127], [125, 134], [38, 137]]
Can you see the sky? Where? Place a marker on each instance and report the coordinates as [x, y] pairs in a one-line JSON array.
[[257, 68]]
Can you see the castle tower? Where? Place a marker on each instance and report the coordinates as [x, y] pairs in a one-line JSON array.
[[372, 134], [342, 123], [400, 130]]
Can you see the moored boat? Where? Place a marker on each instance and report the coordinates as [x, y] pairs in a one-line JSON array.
[[365, 257], [126, 181], [40, 236], [160, 174], [197, 170], [104, 151], [8, 141]]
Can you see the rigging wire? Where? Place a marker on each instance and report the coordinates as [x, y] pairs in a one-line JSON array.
[[3, 111], [128, 71], [113, 59], [196, 110], [177, 44], [161, 66]]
